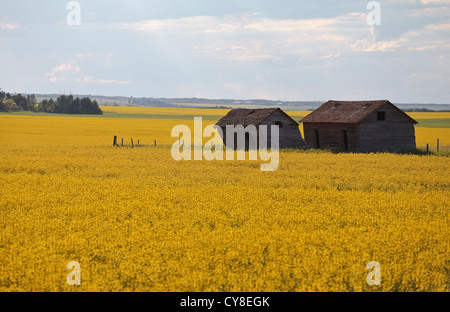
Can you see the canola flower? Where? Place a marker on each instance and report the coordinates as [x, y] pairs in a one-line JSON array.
[[136, 220]]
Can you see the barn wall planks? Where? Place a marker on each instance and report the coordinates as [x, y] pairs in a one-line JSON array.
[[290, 135], [394, 133], [331, 136]]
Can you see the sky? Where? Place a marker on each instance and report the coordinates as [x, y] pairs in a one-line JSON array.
[[284, 50]]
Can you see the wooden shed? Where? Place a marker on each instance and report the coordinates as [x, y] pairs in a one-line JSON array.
[[366, 126], [290, 136]]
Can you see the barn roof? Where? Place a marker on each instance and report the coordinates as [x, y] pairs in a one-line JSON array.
[[351, 112], [247, 117]]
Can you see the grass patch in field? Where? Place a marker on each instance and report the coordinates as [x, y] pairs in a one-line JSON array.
[[118, 115], [41, 114], [161, 116], [433, 123], [417, 151]]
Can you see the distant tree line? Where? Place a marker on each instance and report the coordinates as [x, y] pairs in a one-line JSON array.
[[64, 104]]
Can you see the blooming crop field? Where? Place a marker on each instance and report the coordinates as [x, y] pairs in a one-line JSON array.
[[136, 220]]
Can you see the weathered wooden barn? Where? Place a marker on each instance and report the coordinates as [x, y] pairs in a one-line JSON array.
[[366, 126], [290, 136]]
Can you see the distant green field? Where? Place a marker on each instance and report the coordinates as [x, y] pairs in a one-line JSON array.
[[433, 123], [423, 123], [118, 115], [46, 114], [162, 116]]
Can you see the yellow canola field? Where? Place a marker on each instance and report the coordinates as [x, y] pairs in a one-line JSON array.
[[99, 131], [89, 131], [136, 220], [429, 136]]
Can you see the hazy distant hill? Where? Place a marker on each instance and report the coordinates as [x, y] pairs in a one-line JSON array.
[[226, 103]]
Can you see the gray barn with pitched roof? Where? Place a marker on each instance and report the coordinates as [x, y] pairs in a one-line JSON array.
[[367, 126], [290, 136]]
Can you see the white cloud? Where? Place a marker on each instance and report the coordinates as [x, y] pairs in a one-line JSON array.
[[90, 79], [430, 37], [240, 23], [60, 71], [425, 2], [431, 12], [437, 45], [9, 26], [243, 37], [183, 24], [332, 55], [371, 44], [71, 71], [438, 27], [423, 48], [248, 51], [435, 1], [81, 55], [304, 25]]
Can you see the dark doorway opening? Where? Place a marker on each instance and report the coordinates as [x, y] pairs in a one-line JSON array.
[[344, 140], [316, 138]]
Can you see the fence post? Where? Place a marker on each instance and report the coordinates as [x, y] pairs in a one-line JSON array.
[[138, 142], [437, 145], [427, 148], [122, 141], [132, 145], [155, 142], [115, 141]]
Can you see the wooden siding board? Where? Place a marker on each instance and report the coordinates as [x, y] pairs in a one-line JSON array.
[[290, 135], [387, 136], [394, 133], [330, 137]]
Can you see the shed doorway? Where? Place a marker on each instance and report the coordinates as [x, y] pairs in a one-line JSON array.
[[344, 144], [316, 138]]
